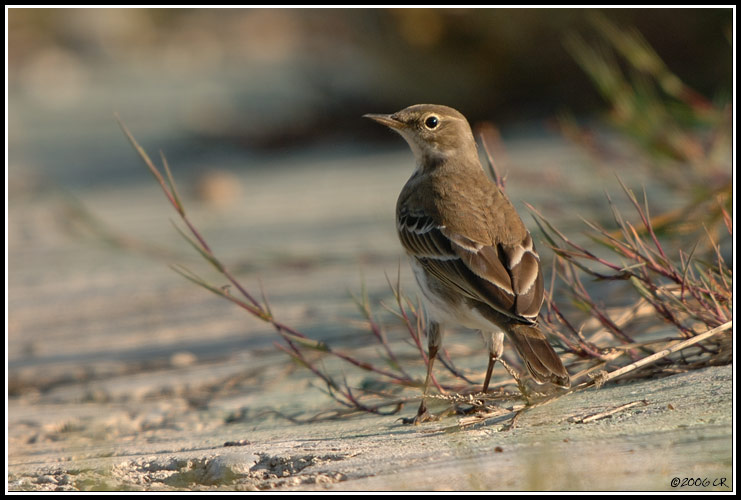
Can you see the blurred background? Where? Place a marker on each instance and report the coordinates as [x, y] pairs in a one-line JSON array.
[[111, 353], [259, 113], [207, 85]]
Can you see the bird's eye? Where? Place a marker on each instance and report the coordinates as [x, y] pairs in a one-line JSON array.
[[431, 122]]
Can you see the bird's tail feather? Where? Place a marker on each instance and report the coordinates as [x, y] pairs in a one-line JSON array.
[[541, 360]]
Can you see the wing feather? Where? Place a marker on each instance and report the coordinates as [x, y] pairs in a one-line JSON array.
[[505, 277]]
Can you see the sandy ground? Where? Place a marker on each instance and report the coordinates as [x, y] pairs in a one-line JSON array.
[[123, 375]]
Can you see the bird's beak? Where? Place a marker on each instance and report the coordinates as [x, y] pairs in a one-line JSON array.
[[387, 120]]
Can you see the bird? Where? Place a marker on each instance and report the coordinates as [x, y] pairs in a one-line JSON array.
[[472, 256]]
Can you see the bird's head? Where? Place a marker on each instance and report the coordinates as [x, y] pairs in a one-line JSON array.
[[432, 130]]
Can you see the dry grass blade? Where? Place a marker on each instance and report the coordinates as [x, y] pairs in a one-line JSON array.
[[377, 330], [168, 190], [171, 193], [610, 412], [662, 354], [491, 140], [681, 294]]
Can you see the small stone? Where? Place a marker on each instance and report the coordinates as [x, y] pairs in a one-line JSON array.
[[183, 359], [228, 467], [64, 479], [241, 442], [219, 188]]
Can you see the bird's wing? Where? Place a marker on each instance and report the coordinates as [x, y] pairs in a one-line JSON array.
[[506, 277]]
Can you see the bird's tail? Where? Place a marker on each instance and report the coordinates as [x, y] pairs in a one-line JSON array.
[[541, 360]]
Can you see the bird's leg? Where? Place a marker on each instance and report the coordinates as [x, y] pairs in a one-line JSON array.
[[495, 344], [489, 369], [422, 413], [434, 340]]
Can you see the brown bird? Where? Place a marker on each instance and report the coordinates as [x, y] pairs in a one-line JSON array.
[[471, 254]]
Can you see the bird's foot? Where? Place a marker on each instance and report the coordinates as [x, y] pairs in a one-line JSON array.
[[419, 419], [469, 409], [525, 391], [423, 415]]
